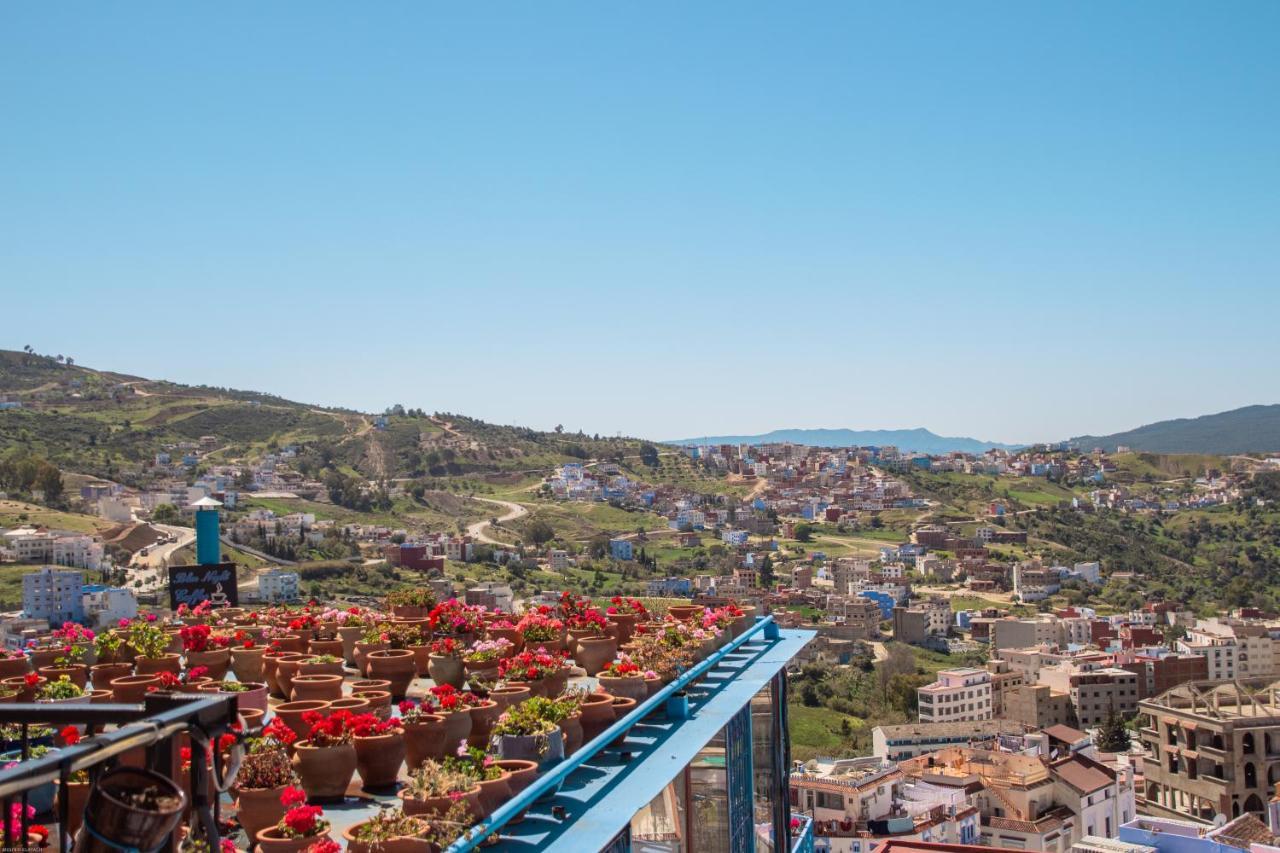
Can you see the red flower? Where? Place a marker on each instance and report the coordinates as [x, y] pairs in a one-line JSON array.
[[292, 796], [31, 679], [324, 845], [279, 731], [303, 820], [70, 736]]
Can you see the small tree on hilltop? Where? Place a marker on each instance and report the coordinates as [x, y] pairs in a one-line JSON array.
[[1112, 735]]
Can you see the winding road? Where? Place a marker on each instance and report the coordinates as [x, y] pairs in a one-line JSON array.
[[477, 530]]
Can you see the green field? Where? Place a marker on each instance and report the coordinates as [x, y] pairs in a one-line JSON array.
[[819, 731]]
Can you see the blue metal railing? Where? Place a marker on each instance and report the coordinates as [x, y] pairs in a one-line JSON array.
[[802, 834], [764, 628]]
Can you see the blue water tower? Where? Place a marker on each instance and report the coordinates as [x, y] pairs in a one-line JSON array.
[[208, 548]]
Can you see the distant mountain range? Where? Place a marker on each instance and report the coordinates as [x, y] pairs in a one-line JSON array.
[[1252, 429], [918, 440]]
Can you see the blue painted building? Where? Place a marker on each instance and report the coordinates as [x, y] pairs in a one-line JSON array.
[[702, 765], [883, 600], [620, 549]]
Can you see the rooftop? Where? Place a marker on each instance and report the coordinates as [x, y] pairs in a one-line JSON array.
[[1251, 699]]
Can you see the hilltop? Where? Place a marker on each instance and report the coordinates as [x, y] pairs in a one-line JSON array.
[[107, 424], [918, 440], [1252, 429]]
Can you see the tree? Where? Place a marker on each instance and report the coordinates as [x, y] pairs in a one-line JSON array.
[[766, 572], [804, 532], [539, 532], [166, 514], [1112, 735]]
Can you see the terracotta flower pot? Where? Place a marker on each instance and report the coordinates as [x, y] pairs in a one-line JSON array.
[[169, 662], [507, 696], [328, 687], [290, 643], [556, 683], [595, 652], [259, 808], [286, 670], [535, 688], [77, 796], [271, 840], [77, 674], [291, 713], [378, 702], [354, 704], [24, 693], [520, 775], [684, 612], [312, 666], [631, 687], [42, 657], [379, 759], [571, 727], [424, 739], [11, 667], [421, 659], [325, 647], [398, 844], [652, 686], [247, 663], [100, 696], [624, 626], [349, 637], [361, 653], [394, 665], [621, 707], [101, 675], [252, 719], [370, 684], [439, 805], [446, 669], [246, 700], [457, 727], [217, 661], [483, 718], [132, 689], [325, 771], [596, 714], [493, 793]]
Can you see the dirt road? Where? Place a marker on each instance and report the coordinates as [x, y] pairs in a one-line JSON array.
[[477, 529]]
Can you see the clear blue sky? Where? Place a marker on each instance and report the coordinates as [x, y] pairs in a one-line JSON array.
[[1016, 221]]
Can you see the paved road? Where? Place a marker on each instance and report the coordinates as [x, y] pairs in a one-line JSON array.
[[514, 511], [151, 568]]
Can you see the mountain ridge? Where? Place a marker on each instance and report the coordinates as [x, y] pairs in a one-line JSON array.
[[920, 440], [1248, 429]]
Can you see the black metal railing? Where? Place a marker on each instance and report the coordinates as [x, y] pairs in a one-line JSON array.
[[153, 727]]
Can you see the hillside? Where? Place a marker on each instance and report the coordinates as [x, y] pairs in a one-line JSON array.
[[1252, 429], [919, 440]]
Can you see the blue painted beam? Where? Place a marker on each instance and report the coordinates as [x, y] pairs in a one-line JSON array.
[[603, 786]]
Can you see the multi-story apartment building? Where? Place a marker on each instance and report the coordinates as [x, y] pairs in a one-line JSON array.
[[898, 743], [54, 594], [1039, 706], [858, 617], [1211, 748], [278, 585], [921, 620], [958, 695], [1004, 680], [1012, 632], [1096, 690]]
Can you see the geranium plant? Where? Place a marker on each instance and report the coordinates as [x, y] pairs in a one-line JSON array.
[[530, 666], [487, 651], [539, 627], [300, 820], [454, 617]]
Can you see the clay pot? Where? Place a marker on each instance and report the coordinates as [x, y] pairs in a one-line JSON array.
[[483, 718], [631, 687], [348, 638], [327, 687], [77, 674], [446, 669], [624, 626], [457, 727], [169, 662], [408, 611], [684, 612], [314, 666], [132, 689], [745, 621], [101, 675], [24, 693], [361, 654], [290, 643], [511, 635], [421, 659], [596, 714], [520, 775], [621, 707], [41, 658], [535, 688], [251, 719], [556, 683], [11, 667], [424, 739], [325, 647], [507, 696], [217, 661], [652, 686], [259, 808], [398, 844], [493, 793], [439, 805], [379, 758], [556, 645], [370, 684], [247, 663], [571, 727], [394, 665], [286, 670], [246, 700], [195, 685], [99, 696], [77, 796], [378, 702], [291, 713], [594, 653], [325, 771], [271, 841], [354, 704]]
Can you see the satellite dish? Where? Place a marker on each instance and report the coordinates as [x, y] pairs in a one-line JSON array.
[[1219, 820]]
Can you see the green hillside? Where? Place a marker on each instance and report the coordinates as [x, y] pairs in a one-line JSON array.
[[1252, 429]]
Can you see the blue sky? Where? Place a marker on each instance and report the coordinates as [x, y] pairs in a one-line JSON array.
[[1016, 221]]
